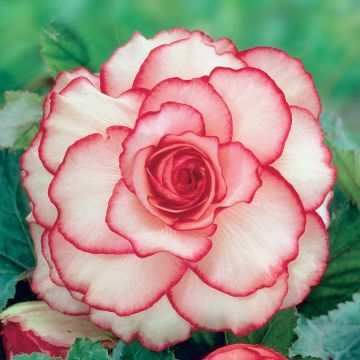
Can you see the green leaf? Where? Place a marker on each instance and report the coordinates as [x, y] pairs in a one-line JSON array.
[[135, 351], [277, 334], [332, 336], [87, 349], [62, 49], [346, 156], [199, 345], [16, 256], [19, 118], [35, 356], [342, 276]]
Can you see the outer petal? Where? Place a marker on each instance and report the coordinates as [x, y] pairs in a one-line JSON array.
[[242, 351], [118, 73], [323, 209], [254, 242], [148, 234], [36, 180], [305, 160], [289, 74], [63, 79], [157, 327], [57, 297], [261, 116], [241, 176], [124, 284], [52, 327], [198, 94], [79, 110], [81, 190], [150, 128], [186, 59], [307, 269], [213, 310]]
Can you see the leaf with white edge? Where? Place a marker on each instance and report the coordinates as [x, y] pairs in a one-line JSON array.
[[333, 336], [278, 334], [346, 156], [62, 49], [35, 356], [19, 118], [88, 349], [16, 254], [135, 351], [342, 276]]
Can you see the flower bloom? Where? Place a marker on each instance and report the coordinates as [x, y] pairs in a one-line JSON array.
[[244, 352], [34, 327], [180, 189]]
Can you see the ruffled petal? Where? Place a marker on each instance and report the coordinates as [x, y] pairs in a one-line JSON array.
[[254, 242], [57, 297], [157, 328], [118, 73], [288, 73], [125, 284], [307, 269], [241, 176], [260, 113], [187, 59], [198, 94], [80, 110], [36, 180], [213, 310], [63, 79], [81, 190], [306, 160], [148, 234]]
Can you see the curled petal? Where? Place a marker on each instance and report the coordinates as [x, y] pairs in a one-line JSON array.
[[288, 73], [187, 59], [126, 284], [260, 113], [309, 266], [81, 190], [306, 160]]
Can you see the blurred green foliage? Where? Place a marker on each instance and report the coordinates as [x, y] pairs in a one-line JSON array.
[[324, 34]]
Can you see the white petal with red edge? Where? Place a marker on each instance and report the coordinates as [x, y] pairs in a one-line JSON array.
[[213, 310], [148, 234], [323, 209], [125, 284], [254, 242], [36, 180], [240, 169], [64, 78], [306, 161], [186, 59], [150, 128], [57, 297], [261, 116], [118, 73], [157, 327], [288, 73], [80, 110], [81, 190], [306, 270], [198, 94]]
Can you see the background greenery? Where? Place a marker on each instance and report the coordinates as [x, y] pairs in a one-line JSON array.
[[325, 34]]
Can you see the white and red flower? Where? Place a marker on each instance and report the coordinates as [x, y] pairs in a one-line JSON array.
[[34, 327], [180, 189], [244, 352]]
